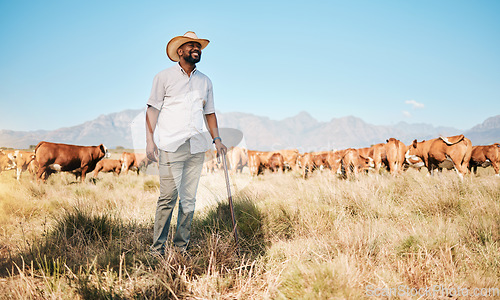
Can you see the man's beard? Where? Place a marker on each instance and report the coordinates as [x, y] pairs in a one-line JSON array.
[[193, 60]]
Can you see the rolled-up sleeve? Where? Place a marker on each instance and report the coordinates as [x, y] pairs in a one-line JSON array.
[[157, 92], [209, 107]]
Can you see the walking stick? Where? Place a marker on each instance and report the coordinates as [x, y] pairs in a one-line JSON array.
[[235, 231]]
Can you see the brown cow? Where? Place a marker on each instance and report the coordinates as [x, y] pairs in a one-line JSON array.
[[22, 160], [312, 161], [306, 164], [238, 158], [353, 163], [414, 162], [290, 157], [334, 160], [108, 165], [395, 151], [276, 163], [320, 159], [54, 157], [33, 167], [254, 162], [485, 156], [377, 153], [443, 152], [133, 161], [258, 161], [6, 161]]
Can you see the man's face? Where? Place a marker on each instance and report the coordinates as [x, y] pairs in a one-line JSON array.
[[190, 51]]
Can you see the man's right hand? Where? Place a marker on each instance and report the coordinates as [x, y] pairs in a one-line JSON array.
[[152, 151]]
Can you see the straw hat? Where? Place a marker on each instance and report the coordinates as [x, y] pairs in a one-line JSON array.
[[178, 41]]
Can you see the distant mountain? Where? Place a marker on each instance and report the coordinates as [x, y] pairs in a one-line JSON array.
[[302, 131], [305, 133], [112, 130], [20, 139], [485, 133]]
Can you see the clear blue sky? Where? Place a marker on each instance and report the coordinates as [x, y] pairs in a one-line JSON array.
[[66, 62]]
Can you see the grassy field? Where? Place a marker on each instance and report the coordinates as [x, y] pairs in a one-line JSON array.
[[320, 238]]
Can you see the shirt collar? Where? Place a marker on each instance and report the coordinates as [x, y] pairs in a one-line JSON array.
[[184, 72]]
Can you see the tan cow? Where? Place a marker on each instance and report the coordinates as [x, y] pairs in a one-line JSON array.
[[210, 162], [443, 152], [353, 163], [238, 158], [6, 162], [485, 156], [133, 161], [22, 160], [108, 165], [334, 160], [395, 151], [54, 157]]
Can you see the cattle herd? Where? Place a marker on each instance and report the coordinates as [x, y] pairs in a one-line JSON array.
[[456, 152], [49, 158]]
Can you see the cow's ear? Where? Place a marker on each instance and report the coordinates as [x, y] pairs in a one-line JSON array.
[[415, 143], [103, 149], [387, 141]]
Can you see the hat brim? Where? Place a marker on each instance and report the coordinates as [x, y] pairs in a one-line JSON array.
[[178, 41]]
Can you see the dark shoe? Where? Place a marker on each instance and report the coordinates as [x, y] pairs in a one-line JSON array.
[[156, 253]]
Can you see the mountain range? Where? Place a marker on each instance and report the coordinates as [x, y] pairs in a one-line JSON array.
[[126, 129]]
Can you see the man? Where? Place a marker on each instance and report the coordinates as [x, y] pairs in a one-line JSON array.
[[181, 100]]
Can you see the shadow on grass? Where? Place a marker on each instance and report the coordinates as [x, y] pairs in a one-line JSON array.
[[216, 222], [80, 237], [90, 249]]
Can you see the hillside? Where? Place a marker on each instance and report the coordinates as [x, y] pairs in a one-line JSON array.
[[126, 128], [485, 133]]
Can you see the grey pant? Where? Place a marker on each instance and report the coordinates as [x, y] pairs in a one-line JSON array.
[[179, 176]]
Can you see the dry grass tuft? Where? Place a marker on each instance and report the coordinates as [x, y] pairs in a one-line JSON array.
[[321, 238]]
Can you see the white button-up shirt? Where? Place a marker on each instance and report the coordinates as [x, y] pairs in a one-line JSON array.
[[182, 101]]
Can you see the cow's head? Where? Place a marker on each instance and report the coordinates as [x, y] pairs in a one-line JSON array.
[[6, 161], [414, 161], [12, 160], [412, 152], [104, 150], [12, 156], [367, 162]]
